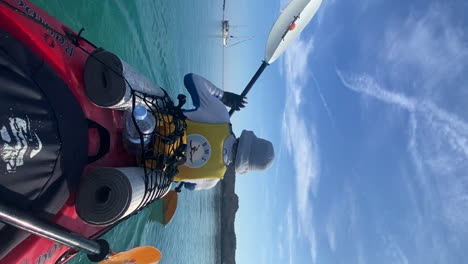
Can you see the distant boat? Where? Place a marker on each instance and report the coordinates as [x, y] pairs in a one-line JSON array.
[[225, 24], [226, 36]]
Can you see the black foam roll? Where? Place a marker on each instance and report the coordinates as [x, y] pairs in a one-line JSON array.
[[103, 197], [103, 80]]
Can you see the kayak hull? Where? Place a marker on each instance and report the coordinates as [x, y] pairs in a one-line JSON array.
[[68, 61]]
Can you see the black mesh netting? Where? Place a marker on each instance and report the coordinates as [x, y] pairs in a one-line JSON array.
[[166, 147]]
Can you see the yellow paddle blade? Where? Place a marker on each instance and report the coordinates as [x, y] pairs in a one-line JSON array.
[[139, 255], [163, 210], [170, 206]]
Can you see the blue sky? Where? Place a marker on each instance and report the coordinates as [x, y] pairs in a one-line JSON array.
[[367, 111]]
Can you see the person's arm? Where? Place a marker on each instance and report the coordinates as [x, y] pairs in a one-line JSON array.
[[201, 88], [212, 89], [208, 108]]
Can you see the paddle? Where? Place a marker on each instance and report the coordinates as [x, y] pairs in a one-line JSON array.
[[98, 251], [287, 27], [148, 255], [162, 211]]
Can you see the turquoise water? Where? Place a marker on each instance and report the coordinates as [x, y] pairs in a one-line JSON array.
[[164, 40]]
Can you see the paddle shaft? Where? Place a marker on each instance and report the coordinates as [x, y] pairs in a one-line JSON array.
[[251, 83], [49, 230]]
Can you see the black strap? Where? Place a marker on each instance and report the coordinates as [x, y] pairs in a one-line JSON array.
[[104, 141], [179, 188]]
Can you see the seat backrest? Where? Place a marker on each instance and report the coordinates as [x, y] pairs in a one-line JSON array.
[[43, 136]]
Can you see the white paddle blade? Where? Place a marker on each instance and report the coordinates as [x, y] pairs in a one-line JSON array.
[[287, 27]]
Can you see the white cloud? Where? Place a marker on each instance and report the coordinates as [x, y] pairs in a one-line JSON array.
[[367, 85], [324, 103], [431, 44], [419, 77], [280, 246], [394, 253], [360, 254], [446, 155], [300, 137], [452, 127], [341, 219], [331, 235], [287, 232], [421, 71], [292, 245], [324, 9], [278, 175]]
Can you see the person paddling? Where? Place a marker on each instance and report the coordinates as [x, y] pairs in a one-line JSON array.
[[212, 146]]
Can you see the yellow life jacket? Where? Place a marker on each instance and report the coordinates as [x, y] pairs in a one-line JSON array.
[[205, 144], [165, 127]]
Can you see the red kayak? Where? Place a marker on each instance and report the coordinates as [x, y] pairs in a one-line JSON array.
[[42, 54]]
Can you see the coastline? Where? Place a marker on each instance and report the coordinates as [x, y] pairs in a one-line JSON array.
[[229, 206]]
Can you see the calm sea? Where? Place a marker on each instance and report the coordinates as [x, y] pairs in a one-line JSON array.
[[164, 40]]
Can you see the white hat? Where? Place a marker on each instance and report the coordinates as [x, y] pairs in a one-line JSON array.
[[253, 153]]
